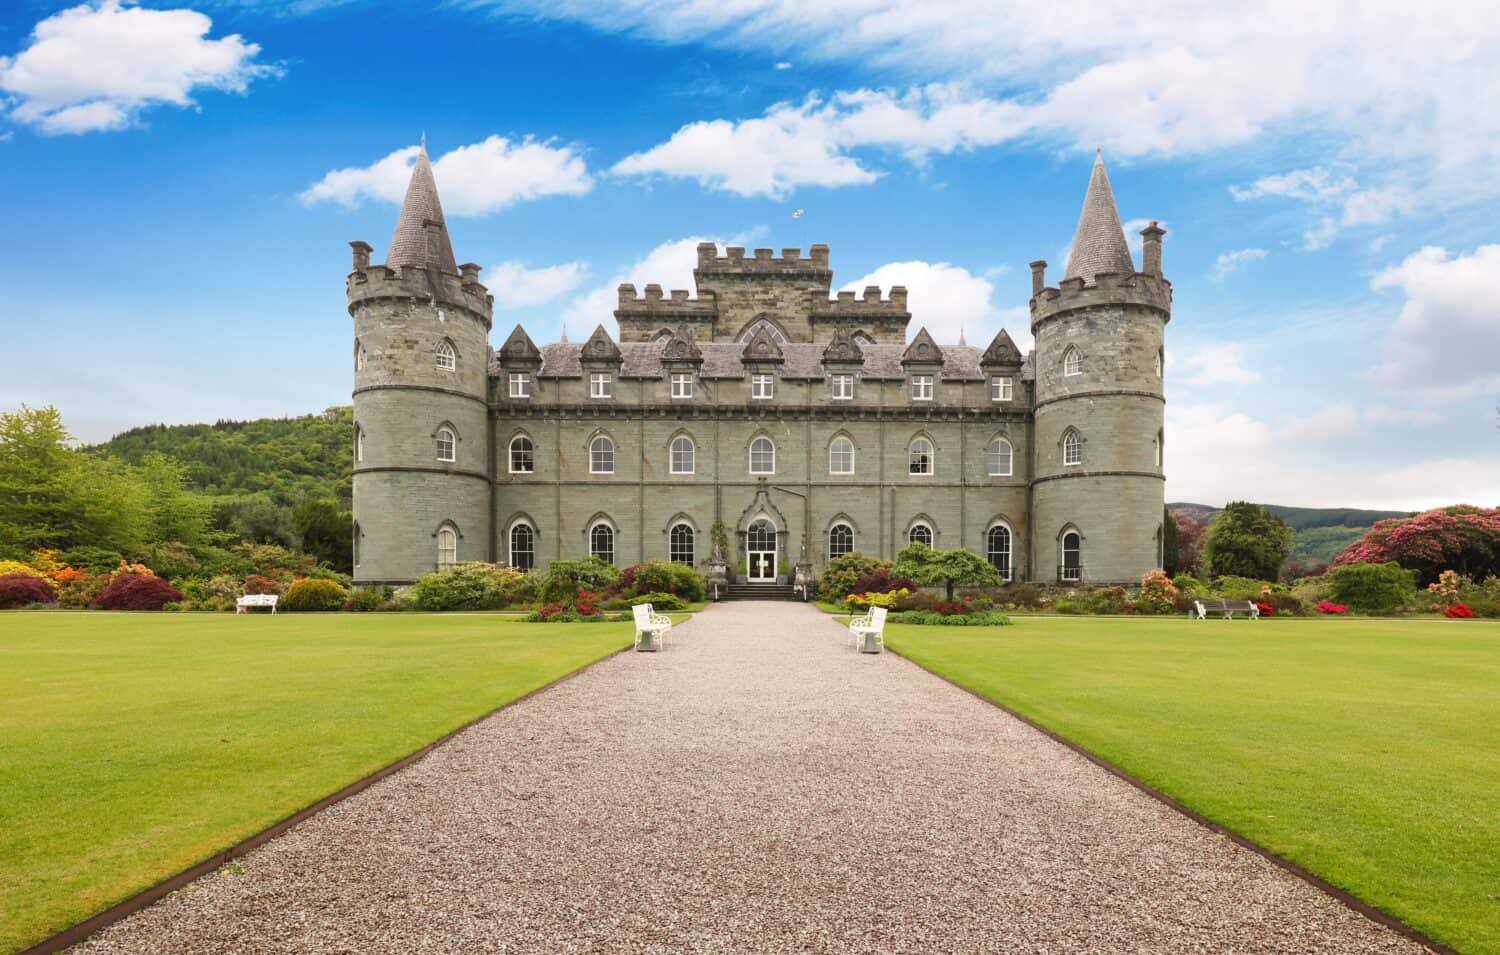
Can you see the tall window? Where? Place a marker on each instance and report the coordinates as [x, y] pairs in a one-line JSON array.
[[997, 549], [1002, 388], [1072, 361], [445, 445], [359, 357], [682, 386], [998, 457], [359, 443], [842, 387], [1072, 448], [447, 547], [445, 357], [919, 534], [921, 387], [522, 546], [840, 540], [1161, 362], [680, 544], [762, 456], [920, 456], [602, 542], [520, 385], [522, 455], [1072, 557], [762, 386], [841, 456], [682, 455], [601, 456], [357, 536], [1156, 446]]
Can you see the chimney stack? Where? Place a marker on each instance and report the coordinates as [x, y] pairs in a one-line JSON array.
[[1151, 248], [1038, 276]]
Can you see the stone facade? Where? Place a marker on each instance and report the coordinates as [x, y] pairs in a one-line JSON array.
[[800, 420]]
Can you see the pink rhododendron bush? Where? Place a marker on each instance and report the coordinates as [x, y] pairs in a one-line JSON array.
[[1462, 538]]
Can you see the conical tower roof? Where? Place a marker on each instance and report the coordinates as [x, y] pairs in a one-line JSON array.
[[409, 247], [1099, 244]]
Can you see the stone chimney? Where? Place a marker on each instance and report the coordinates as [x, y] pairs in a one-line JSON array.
[[1151, 248]]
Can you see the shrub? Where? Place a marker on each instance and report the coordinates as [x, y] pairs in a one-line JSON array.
[[1458, 612], [95, 560], [659, 601], [1285, 604], [367, 599], [1373, 588], [80, 592], [663, 578], [948, 569], [256, 584], [1326, 607], [312, 594], [1465, 539], [1190, 585], [1265, 609], [930, 618], [12, 567], [914, 600], [1245, 539], [1026, 596], [1241, 588], [1158, 594], [1106, 600], [566, 577], [866, 601], [20, 590], [134, 591], [882, 581], [473, 585], [212, 604], [843, 573]]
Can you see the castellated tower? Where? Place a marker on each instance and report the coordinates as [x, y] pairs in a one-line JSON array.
[[1097, 484], [421, 357]]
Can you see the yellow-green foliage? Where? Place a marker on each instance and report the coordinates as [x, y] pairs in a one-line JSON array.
[[866, 601], [16, 567], [314, 594]]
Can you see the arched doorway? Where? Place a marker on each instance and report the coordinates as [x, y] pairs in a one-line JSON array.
[[760, 551]]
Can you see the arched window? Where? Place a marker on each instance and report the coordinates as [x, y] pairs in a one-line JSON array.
[[1072, 361], [522, 455], [1072, 557], [997, 549], [860, 338], [447, 543], [998, 458], [359, 357], [762, 456], [840, 540], [683, 455], [755, 327], [1161, 362], [841, 456], [522, 546], [920, 533], [446, 445], [356, 543], [359, 443], [601, 456], [1158, 448], [680, 544], [444, 355], [1072, 448], [920, 456], [602, 542]]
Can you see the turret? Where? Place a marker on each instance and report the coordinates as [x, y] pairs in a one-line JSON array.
[[1097, 485], [421, 377]]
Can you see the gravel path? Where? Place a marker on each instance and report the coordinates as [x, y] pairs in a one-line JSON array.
[[758, 787]]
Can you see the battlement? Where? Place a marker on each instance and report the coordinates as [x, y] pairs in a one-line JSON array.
[[867, 303], [762, 261], [1109, 288], [372, 282]]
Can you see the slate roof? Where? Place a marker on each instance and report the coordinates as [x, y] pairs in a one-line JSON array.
[[409, 242], [1099, 244]]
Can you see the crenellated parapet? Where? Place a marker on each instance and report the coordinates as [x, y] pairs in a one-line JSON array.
[[1108, 289], [642, 317], [370, 283], [763, 261], [883, 319]]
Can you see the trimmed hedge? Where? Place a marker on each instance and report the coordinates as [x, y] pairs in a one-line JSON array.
[[930, 618], [314, 595]]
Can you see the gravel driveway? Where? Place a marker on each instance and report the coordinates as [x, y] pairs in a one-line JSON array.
[[758, 787]]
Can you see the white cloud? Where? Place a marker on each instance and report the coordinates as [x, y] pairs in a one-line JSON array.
[[97, 66], [669, 265], [1445, 342], [783, 65], [1207, 365], [1318, 184], [515, 285], [947, 299], [1230, 262], [1336, 196], [472, 180]]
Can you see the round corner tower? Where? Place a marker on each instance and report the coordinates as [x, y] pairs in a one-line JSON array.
[[1098, 489], [421, 414]]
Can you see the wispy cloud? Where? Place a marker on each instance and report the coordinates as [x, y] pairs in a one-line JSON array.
[[1221, 364], [516, 285], [1230, 262]]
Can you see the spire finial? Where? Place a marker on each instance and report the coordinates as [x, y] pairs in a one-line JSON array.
[[564, 333], [424, 142]]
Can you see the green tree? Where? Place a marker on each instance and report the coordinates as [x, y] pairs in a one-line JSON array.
[[327, 532], [1246, 540], [1169, 555], [945, 568], [175, 513], [262, 521]]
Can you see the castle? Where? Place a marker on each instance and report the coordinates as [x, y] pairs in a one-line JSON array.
[[799, 425]]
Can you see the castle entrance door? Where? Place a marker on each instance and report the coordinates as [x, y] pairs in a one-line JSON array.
[[760, 552]]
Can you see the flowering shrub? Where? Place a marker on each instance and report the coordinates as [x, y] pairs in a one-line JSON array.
[[842, 573], [950, 609], [314, 594], [80, 592], [882, 580], [8, 567], [46, 563], [866, 601], [1463, 538], [1265, 610], [20, 590], [133, 591], [588, 603], [1458, 612], [1158, 593], [1326, 607], [256, 584], [1446, 587]]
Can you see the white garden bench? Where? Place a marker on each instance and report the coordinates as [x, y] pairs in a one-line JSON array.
[[871, 629], [1202, 608], [650, 627], [256, 600]]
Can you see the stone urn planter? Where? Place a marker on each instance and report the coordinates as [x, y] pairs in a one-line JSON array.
[[716, 578]]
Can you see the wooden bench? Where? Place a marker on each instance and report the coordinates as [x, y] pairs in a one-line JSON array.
[[1202, 608], [650, 627], [256, 600], [871, 629]]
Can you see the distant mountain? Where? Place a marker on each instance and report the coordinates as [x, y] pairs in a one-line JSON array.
[[1318, 533]]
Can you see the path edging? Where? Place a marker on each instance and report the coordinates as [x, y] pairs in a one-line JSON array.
[[99, 921], [1342, 896]]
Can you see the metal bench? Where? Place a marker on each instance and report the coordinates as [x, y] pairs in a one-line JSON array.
[[871, 629], [248, 601], [1228, 608], [650, 628]]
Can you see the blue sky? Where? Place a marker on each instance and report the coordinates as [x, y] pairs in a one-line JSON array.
[[183, 182]]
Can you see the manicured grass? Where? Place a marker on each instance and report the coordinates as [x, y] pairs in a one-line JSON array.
[[1367, 751], [135, 745]]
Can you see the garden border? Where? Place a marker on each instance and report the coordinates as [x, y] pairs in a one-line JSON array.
[[81, 931], [1348, 899]]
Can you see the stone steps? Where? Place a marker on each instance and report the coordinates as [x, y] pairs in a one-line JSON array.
[[743, 591]]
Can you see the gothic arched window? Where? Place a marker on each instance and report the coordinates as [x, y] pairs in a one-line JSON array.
[[1072, 446], [997, 549], [444, 355], [522, 455], [680, 544], [1072, 361], [683, 455], [522, 546], [602, 542], [998, 458], [601, 455], [840, 540]]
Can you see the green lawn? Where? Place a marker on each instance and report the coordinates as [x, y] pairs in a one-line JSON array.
[[1368, 751], [133, 746]]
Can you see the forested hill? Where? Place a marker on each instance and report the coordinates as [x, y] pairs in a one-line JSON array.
[[286, 459], [1319, 533]]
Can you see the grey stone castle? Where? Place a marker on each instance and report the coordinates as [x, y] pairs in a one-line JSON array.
[[805, 424]]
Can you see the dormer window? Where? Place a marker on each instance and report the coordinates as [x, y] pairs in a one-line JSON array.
[[1072, 362], [841, 387], [520, 385], [1002, 388], [445, 357], [682, 385], [601, 385], [762, 387], [921, 387]]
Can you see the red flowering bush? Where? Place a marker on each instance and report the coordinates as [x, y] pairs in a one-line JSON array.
[[883, 580], [133, 591], [588, 603], [1326, 607], [257, 584], [20, 590], [1266, 610], [1462, 538], [551, 610], [1458, 612], [951, 609]]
